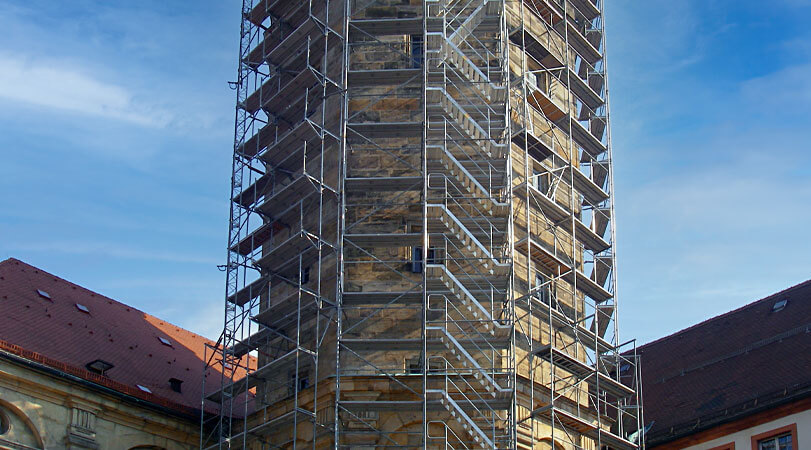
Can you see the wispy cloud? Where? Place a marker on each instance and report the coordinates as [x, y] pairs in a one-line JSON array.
[[113, 250], [787, 90], [65, 87]]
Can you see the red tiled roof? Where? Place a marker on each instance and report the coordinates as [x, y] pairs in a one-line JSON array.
[[729, 366], [56, 333]]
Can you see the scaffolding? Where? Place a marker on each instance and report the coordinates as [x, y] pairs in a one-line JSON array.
[[421, 233]]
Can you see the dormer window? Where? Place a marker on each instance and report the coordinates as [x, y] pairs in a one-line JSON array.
[[175, 384], [99, 366]]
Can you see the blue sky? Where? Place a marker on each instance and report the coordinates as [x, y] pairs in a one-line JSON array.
[[116, 124]]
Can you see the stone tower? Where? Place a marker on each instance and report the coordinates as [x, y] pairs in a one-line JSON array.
[[420, 249]]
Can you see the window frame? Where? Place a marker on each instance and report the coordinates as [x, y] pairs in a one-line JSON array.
[[544, 294], [788, 429], [727, 446]]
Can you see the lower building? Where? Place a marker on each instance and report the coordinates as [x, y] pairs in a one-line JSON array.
[[80, 370], [738, 381]]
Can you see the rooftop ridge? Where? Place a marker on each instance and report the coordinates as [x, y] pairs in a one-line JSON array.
[[726, 314], [114, 301]]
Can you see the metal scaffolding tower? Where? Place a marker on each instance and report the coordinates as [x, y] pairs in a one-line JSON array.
[[421, 240]]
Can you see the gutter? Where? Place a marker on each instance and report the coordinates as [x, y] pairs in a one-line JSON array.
[[758, 405], [194, 418]]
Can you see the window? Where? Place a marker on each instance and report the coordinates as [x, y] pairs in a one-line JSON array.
[[543, 287], [44, 294], [543, 291], [784, 438], [83, 308], [416, 51], [165, 341], [4, 423], [416, 260], [297, 385], [779, 305], [730, 446], [413, 366], [541, 181], [782, 442], [175, 384], [433, 256], [537, 80], [144, 388], [305, 275]]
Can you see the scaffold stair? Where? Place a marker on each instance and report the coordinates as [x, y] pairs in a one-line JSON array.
[[480, 81], [471, 128], [467, 360], [469, 301], [480, 438], [489, 261], [483, 9], [474, 188]]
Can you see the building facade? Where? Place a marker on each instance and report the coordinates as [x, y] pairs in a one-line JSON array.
[[738, 381], [81, 370], [421, 241]]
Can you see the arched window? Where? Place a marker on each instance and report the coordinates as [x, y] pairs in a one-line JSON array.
[[14, 422], [4, 423]]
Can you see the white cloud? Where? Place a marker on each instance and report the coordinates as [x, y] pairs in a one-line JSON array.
[[62, 86]]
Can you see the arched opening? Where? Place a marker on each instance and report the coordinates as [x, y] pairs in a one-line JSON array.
[[4, 423], [547, 444], [17, 428]]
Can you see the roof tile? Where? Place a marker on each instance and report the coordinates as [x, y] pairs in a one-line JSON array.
[[718, 367], [113, 332]]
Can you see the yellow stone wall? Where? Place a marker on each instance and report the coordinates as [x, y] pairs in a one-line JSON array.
[[47, 412]]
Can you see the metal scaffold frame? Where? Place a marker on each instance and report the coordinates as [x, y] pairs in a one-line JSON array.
[[282, 248], [589, 380], [421, 244]]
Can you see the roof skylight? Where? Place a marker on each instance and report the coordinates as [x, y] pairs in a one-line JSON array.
[[82, 308], [144, 388], [165, 341], [778, 305], [44, 294]]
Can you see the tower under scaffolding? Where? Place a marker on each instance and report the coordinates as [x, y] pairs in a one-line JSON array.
[[421, 231]]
